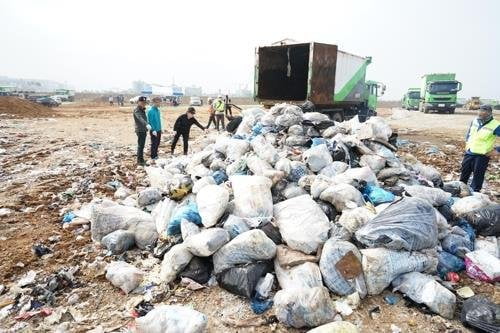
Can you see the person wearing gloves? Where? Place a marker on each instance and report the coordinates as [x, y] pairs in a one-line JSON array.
[[182, 127], [480, 147], [219, 108], [154, 120], [141, 128]]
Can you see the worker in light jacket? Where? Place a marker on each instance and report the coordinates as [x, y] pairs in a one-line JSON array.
[[141, 128], [182, 127], [480, 147], [219, 108], [154, 120]]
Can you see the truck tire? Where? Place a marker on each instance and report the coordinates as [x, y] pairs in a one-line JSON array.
[[451, 111], [337, 116]]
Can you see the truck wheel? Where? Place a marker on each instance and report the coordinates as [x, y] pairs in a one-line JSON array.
[[452, 111], [337, 116]]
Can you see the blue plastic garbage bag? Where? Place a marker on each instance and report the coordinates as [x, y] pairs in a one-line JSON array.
[[260, 304], [188, 212], [447, 262], [219, 176], [318, 141], [468, 229], [377, 195], [257, 129], [297, 173], [68, 217]]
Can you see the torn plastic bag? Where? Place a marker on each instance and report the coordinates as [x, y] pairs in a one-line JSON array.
[[235, 225], [381, 266], [211, 201], [207, 241], [481, 265], [447, 262], [252, 196], [198, 269], [340, 266], [238, 167], [174, 262], [343, 196], [241, 280], [119, 241], [409, 224], [424, 289], [434, 196], [468, 204], [304, 307], [123, 275], [172, 319], [306, 275], [377, 195], [317, 157], [353, 219], [187, 211], [479, 312], [248, 247], [293, 214], [486, 221]]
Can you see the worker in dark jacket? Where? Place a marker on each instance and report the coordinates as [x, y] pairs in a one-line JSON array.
[[182, 127], [480, 147], [141, 128]]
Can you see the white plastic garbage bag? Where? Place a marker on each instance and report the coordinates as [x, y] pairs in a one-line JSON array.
[[434, 196], [424, 289], [304, 307], [317, 157], [351, 176], [252, 196], [340, 266], [174, 261], [123, 275], [264, 149], [296, 130], [235, 225], [466, 205], [206, 242], [188, 229], [285, 165], [336, 327], [293, 215], [343, 196], [172, 319], [353, 219], [374, 128], [157, 177], [202, 182], [334, 168], [292, 190], [320, 184], [374, 162], [212, 201], [381, 266], [148, 197], [306, 275], [248, 247], [236, 149], [162, 214]]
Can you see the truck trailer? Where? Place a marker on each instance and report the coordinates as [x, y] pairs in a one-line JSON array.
[[333, 80], [438, 92], [411, 99]]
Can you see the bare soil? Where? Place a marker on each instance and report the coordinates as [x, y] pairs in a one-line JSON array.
[[55, 163]]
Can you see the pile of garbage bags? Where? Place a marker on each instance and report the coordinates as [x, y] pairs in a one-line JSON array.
[[294, 207]]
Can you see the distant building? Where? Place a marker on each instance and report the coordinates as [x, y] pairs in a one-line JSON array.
[[193, 91]]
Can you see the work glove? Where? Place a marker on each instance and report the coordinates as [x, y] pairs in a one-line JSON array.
[[154, 133], [148, 127]]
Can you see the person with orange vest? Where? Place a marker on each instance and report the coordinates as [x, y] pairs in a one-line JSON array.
[[480, 147]]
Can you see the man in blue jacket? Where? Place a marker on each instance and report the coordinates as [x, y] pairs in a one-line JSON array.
[[154, 120]]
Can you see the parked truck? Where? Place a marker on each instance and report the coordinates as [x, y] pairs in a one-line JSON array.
[[411, 99], [438, 92], [333, 80]]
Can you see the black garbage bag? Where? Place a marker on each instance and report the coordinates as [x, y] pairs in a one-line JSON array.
[[479, 312], [485, 220], [272, 232], [242, 280], [199, 269], [232, 126], [447, 213]]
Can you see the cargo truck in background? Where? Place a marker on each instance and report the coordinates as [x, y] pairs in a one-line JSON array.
[[333, 80], [411, 99], [438, 92]]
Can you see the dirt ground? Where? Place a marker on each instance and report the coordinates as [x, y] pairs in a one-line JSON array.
[[45, 163]]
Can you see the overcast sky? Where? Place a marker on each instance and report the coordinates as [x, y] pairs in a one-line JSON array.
[[108, 44]]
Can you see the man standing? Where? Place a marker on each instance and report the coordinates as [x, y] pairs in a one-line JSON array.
[[480, 146], [219, 108], [211, 112], [154, 120], [182, 127], [141, 128]]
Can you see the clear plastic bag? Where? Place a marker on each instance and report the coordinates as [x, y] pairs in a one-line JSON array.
[[123, 275], [317, 157], [212, 201], [343, 196], [172, 319], [434, 196], [252, 196], [207, 242], [306, 275]]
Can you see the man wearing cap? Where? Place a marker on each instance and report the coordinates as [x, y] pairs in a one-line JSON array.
[[480, 147], [182, 127], [154, 120], [219, 108], [141, 128]]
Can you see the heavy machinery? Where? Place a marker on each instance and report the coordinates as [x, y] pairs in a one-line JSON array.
[[65, 94], [438, 92], [333, 80], [474, 103], [411, 99]]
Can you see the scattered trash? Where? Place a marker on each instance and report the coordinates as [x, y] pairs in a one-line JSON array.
[[479, 312], [465, 292], [40, 250], [172, 318], [68, 217], [481, 265], [335, 327], [124, 276], [391, 299]]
